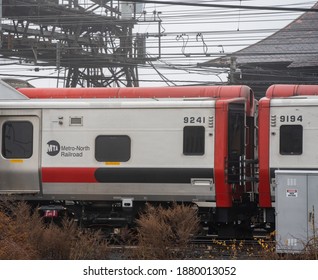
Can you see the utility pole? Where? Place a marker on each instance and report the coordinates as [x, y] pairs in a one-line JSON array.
[[96, 45], [232, 70]]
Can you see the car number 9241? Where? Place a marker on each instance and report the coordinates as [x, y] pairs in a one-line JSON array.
[[194, 120]]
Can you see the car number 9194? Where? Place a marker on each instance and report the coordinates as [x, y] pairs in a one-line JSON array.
[[290, 118]]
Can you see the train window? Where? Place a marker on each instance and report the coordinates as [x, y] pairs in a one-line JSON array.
[[112, 148], [193, 140], [17, 139], [291, 140]]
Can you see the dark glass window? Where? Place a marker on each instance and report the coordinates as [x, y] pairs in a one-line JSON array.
[[112, 148], [291, 140], [193, 140], [17, 139]]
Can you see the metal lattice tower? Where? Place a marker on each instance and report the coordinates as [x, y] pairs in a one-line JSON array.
[[92, 39]]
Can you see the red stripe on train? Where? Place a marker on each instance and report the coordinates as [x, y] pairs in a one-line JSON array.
[[68, 175], [263, 146], [223, 191]]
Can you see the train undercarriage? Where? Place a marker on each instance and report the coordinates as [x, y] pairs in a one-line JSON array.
[[238, 222]]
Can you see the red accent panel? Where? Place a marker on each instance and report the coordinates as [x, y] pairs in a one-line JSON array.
[[164, 92], [281, 91], [221, 92], [263, 146], [223, 190], [68, 175]]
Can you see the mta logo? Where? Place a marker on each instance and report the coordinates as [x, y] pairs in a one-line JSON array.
[[53, 148]]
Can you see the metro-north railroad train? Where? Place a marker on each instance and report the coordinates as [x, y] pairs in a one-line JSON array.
[[101, 154]]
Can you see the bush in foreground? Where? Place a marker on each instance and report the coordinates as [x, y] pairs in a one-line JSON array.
[[165, 233], [161, 233], [24, 236]]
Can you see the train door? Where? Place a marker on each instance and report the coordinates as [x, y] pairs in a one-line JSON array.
[[19, 160], [236, 143], [229, 152]]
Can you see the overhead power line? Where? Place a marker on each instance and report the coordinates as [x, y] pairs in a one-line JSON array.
[[179, 61], [268, 8]]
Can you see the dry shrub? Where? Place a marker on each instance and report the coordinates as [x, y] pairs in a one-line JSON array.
[[24, 235], [310, 251], [15, 232], [54, 242], [165, 233], [89, 245], [267, 251], [71, 242]]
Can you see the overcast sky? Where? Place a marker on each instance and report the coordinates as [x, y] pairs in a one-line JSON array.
[[198, 34], [191, 35]]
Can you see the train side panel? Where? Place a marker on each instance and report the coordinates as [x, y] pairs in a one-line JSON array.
[[288, 133], [147, 154], [294, 134]]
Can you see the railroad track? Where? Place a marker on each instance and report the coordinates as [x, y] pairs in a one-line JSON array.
[[210, 248], [231, 248]]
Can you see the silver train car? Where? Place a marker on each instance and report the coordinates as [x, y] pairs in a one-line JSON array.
[[100, 154]]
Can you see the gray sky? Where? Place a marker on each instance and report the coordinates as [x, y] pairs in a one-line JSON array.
[[198, 34], [192, 35]]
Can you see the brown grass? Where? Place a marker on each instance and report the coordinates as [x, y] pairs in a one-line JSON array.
[[165, 233], [161, 233], [24, 236]]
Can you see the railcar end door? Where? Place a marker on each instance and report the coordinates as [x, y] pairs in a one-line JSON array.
[[236, 144]]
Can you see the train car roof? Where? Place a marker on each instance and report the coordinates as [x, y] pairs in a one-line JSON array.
[[285, 95], [291, 90], [224, 92], [229, 93]]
